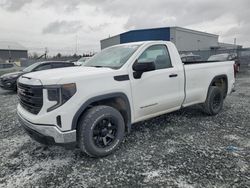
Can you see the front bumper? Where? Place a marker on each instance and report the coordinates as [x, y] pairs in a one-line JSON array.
[[47, 134]]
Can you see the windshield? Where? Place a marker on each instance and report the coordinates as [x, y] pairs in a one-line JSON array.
[[31, 67], [114, 57], [219, 57]]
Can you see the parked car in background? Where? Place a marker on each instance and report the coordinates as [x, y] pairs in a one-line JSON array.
[[8, 81], [82, 61], [227, 57], [190, 58], [8, 67]]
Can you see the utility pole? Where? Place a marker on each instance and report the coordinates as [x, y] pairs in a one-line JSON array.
[[235, 46], [76, 44], [9, 54], [45, 53]]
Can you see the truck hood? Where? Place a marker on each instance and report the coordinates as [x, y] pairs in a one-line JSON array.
[[67, 75]]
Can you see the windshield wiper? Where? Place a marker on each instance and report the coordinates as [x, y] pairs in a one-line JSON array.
[[99, 66]]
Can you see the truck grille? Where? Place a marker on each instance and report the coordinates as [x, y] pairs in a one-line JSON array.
[[30, 97]]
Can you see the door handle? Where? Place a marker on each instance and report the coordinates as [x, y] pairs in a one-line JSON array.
[[173, 75]]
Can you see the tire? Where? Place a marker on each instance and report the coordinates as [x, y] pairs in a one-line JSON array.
[[100, 131], [214, 102]]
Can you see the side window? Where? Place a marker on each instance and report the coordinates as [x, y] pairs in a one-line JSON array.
[[232, 57], [67, 65], [189, 59], [57, 65], [198, 58], [43, 67], [157, 54], [6, 66], [61, 65]]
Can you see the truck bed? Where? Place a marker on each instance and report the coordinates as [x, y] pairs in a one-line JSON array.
[[200, 74]]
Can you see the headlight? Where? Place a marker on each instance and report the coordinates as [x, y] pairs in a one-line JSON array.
[[60, 94]]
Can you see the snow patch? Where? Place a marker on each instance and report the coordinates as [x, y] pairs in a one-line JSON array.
[[151, 175], [231, 137]]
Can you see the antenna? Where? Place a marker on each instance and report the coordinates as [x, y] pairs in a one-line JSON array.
[[235, 46], [9, 54]]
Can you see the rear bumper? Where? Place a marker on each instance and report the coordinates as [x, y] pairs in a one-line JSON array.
[[47, 134]]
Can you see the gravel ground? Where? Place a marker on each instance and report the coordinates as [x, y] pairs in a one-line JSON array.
[[181, 149]]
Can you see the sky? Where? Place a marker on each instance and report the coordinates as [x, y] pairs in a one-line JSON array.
[[69, 26]]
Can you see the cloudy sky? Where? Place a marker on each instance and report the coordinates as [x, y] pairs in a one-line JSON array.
[[58, 24]]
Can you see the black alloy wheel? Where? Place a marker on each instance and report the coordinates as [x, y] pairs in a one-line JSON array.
[[105, 132]]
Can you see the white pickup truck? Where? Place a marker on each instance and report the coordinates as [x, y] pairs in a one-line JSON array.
[[94, 105]]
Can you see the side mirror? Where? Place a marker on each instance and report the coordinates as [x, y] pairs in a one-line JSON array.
[[140, 68]]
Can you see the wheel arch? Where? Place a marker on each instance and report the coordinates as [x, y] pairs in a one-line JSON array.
[[222, 82], [118, 100]]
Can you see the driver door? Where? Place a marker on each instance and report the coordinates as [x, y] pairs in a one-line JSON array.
[[159, 90]]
